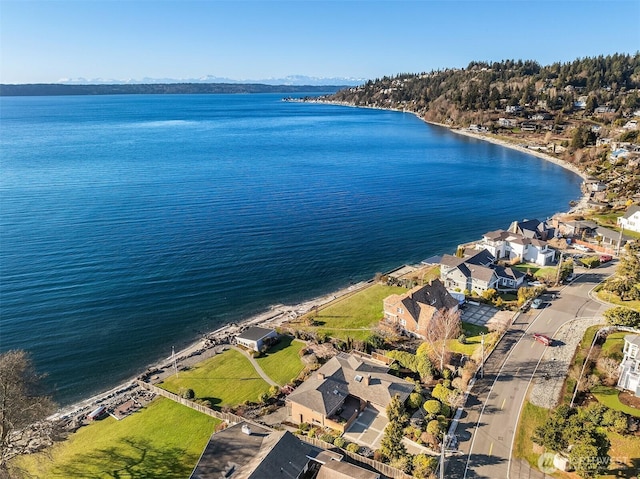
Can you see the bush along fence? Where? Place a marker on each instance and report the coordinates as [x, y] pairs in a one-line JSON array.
[[381, 467]]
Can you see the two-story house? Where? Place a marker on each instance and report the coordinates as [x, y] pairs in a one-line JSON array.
[[631, 219], [414, 310], [507, 245], [630, 366], [474, 272]]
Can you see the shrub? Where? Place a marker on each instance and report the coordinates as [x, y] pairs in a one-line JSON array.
[[433, 406], [414, 401], [434, 428], [462, 339], [339, 441], [353, 447], [327, 438], [274, 391], [189, 394]]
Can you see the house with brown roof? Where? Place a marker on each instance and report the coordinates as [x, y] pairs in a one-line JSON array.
[[250, 451], [346, 384], [414, 310]]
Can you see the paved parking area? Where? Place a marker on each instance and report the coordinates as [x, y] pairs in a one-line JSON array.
[[368, 429], [485, 315]]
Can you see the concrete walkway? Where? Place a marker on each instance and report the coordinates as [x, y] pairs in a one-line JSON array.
[[259, 370]]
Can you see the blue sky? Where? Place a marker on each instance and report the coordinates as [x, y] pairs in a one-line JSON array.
[[50, 40]]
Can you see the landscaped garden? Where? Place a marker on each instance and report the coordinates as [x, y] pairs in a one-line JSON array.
[[227, 379], [164, 440], [598, 409]]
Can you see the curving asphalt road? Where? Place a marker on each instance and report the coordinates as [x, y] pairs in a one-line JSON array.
[[487, 427]]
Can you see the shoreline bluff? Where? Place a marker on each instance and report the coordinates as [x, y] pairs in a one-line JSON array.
[[278, 314]]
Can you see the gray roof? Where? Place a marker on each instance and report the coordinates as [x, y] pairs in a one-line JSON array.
[[632, 209], [508, 272], [255, 333], [344, 470], [633, 339], [346, 374], [233, 454]]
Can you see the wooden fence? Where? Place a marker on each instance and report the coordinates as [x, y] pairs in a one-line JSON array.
[[223, 416], [384, 469]]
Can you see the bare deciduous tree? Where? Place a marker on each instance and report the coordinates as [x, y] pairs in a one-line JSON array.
[[444, 325], [22, 405]]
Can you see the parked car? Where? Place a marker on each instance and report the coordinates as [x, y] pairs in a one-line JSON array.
[[537, 303], [580, 247], [541, 338], [605, 258]]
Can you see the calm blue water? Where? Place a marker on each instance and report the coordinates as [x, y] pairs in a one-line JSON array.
[[130, 223]]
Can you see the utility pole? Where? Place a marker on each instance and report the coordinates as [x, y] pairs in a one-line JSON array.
[[575, 392], [173, 355], [442, 450], [559, 268], [482, 356]]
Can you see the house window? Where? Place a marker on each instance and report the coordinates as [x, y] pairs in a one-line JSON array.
[[403, 322], [633, 351], [399, 310]]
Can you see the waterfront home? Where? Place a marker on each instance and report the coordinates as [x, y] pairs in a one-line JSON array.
[[344, 386], [414, 310], [513, 246], [257, 338], [250, 451], [630, 365], [473, 272], [532, 229], [631, 219]]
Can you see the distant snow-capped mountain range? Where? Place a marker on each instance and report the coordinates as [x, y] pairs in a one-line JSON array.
[[289, 80]]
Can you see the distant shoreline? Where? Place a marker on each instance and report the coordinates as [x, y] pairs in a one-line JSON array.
[[278, 314]]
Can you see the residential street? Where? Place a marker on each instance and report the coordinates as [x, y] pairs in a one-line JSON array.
[[488, 424]]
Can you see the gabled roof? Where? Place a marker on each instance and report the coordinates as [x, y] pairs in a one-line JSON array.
[[423, 301], [509, 273], [344, 470], [346, 374], [631, 211], [632, 338], [234, 454], [255, 333]]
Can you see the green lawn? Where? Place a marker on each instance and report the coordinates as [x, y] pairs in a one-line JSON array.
[[612, 347], [609, 397], [227, 379], [530, 418], [474, 340], [356, 316], [615, 299], [163, 440], [282, 362]]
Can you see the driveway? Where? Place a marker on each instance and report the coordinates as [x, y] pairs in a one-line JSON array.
[[368, 429], [485, 315]]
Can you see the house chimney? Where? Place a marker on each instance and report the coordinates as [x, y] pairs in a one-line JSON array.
[[367, 379]]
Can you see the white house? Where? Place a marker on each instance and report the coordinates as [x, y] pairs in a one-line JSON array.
[[257, 338], [507, 245], [630, 366], [631, 219]]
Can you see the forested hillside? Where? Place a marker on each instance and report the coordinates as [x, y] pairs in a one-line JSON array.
[[585, 112]]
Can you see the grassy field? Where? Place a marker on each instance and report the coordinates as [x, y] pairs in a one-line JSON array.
[[163, 440], [282, 362], [356, 316], [530, 418], [227, 379]]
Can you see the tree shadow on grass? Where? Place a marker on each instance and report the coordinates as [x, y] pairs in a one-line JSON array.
[[129, 459]]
